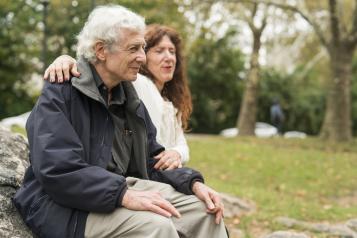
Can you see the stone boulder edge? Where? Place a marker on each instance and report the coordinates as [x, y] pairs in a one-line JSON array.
[[13, 163]]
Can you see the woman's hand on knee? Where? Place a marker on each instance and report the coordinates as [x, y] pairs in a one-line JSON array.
[[149, 201]]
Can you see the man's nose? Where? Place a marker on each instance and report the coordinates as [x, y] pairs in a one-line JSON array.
[[141, 58]]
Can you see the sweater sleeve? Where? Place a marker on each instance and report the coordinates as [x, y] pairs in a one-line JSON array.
[[181, 144], [181, 179]]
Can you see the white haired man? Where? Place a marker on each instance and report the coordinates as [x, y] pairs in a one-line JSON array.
[[92, 145]]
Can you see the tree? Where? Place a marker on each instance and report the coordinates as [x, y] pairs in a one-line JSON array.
[[18, 46], [340, 41], [214, 68], [248, 107]]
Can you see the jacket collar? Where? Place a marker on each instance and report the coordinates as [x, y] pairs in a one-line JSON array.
[[86, 83]]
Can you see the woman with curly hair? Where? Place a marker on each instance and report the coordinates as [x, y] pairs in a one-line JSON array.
[[162, 86]]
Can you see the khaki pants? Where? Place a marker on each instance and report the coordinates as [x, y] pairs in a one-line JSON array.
[[124, 223]]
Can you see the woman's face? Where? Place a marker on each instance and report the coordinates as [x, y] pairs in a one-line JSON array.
[[161, 61]]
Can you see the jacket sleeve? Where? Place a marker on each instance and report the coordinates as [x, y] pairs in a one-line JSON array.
[[181, 179], [57, 157]]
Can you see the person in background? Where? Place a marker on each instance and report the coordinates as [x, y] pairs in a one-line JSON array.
[[161, 85], [92, 143], [277, 116]]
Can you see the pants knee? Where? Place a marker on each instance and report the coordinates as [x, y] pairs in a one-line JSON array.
[[159, 226]]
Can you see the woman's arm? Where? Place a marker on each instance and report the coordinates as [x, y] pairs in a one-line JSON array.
[[181, 146]]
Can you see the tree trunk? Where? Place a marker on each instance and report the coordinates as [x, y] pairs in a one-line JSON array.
[[337, 125], [248, 109]]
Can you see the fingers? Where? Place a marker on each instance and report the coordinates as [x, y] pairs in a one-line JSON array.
[[219, 207], [65, 70], [219, 216], [168, 207], [174, 165], [74, 71], [159, 155], [47, 73], [162, 160], [52, 72], [159, 210], [167, 163], [208, 201], [58, 70]]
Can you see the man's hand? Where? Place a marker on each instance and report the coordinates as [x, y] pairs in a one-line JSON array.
[[61, 69], [149, 201], [168, 159], [210, 198]]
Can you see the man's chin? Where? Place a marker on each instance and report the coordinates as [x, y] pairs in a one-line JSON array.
[[133, 77]]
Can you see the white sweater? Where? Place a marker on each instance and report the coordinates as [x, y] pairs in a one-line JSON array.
[[163, 115]]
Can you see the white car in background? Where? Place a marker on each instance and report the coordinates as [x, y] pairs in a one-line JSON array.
[[262, 130]]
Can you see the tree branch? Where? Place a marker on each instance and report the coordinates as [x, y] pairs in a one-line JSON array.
[[353, 33], [334, 21], [287, 7]]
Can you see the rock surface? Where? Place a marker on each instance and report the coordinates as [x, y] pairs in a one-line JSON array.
[[236, 207], [345, 230], [286, 234], [13, 162]]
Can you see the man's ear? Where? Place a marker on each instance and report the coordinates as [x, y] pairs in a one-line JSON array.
[[100, 51]]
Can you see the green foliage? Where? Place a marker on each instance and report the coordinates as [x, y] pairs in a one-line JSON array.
[[18, 44], [301, 179], [213, 68], [21, 38], [302, 99]]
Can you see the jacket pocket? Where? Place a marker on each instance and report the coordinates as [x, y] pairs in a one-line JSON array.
[[36, 216], [35, 205]]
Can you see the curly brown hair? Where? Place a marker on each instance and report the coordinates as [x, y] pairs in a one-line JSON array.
[[176, 90]]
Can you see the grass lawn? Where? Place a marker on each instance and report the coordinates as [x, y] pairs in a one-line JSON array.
[[308, 179]]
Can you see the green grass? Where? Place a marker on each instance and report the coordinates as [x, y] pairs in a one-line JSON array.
[[308, 179]]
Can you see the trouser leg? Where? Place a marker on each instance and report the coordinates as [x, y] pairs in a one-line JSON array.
[[124, 223], [195, 222]]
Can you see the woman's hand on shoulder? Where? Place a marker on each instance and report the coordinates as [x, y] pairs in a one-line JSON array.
[[61, 69], [168, 159]]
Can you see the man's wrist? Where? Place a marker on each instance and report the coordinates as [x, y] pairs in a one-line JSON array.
[[195, 184]]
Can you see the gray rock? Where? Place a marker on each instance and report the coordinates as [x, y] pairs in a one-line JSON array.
[[13, 163], [345, 230], [286, 234], [236, 233], [236, 207], [352, 224]]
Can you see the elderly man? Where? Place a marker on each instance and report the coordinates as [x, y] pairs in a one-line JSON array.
[[92, 145]]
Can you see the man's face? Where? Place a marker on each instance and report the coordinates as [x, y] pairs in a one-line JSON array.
[[125, 58]]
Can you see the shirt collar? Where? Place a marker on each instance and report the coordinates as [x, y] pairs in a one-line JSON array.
[[118, 93]]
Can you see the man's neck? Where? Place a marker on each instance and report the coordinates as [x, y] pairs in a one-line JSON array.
[[106, 77]]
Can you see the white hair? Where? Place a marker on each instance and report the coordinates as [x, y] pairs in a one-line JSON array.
[[105, 23]]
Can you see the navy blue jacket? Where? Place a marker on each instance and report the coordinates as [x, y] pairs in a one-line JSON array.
[[70, 134]]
